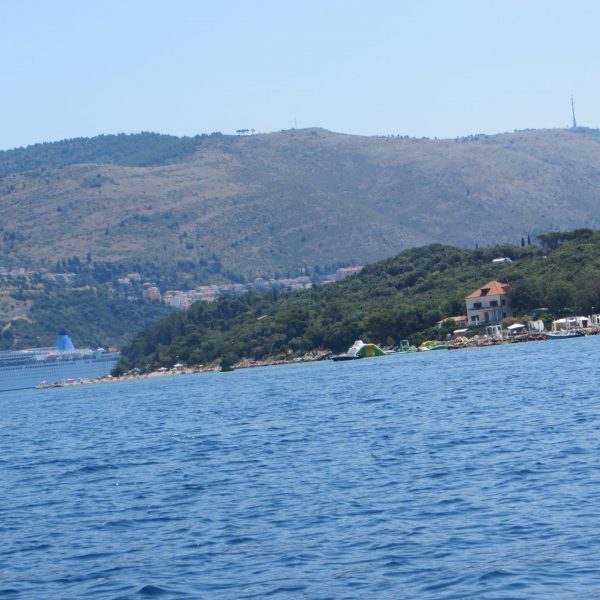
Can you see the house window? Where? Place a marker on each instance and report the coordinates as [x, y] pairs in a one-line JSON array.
[[503, 302], [476, 305], [475, 318], [493, 303], [504, 315]]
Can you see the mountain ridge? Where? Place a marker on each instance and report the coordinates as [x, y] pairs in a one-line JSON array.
[[264, 204]]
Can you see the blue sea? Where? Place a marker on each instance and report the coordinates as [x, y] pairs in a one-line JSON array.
[[450, 474]]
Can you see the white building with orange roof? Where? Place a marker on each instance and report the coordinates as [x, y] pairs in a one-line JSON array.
[[489, 304]]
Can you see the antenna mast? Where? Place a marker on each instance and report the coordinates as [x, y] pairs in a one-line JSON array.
[[573, 110]]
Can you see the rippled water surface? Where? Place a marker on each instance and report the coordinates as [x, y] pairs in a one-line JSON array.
[[463, 474]]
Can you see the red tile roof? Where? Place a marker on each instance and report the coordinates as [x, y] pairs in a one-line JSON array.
[[494, 288], [458, 319]]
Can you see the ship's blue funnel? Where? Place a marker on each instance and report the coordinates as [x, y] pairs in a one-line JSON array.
[[64, 344]]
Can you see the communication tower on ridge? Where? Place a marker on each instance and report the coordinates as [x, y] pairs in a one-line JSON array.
[[573, 111]]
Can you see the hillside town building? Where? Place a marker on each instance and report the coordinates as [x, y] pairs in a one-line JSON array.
[[151, 292], [459, 320]]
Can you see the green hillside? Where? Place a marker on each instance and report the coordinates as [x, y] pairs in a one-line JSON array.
[[397, 298], [93, 316], [133, 150]]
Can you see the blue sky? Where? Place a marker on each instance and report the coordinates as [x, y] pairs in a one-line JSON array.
[[420, 68]]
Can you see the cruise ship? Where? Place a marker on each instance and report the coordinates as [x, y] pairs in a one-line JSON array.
[[21, 369]]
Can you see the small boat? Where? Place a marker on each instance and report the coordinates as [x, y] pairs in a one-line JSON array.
[[360, 350], [346, 356], [564, 334]]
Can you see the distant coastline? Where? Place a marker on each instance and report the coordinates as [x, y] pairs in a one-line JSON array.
[[459, 343]]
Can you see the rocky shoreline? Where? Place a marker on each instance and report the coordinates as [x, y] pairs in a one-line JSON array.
[[482, 340], [213, 366], [456, 344]]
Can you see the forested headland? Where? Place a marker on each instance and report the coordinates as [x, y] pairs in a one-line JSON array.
[[402, 297]]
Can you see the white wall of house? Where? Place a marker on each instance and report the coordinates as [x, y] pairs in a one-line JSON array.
[[488, 309]]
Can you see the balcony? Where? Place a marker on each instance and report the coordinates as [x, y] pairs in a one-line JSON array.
[[486, 305]]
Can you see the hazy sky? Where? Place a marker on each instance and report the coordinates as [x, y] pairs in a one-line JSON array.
[[412, 67]]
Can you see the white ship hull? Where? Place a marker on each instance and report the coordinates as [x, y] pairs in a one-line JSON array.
[[19, 374]]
